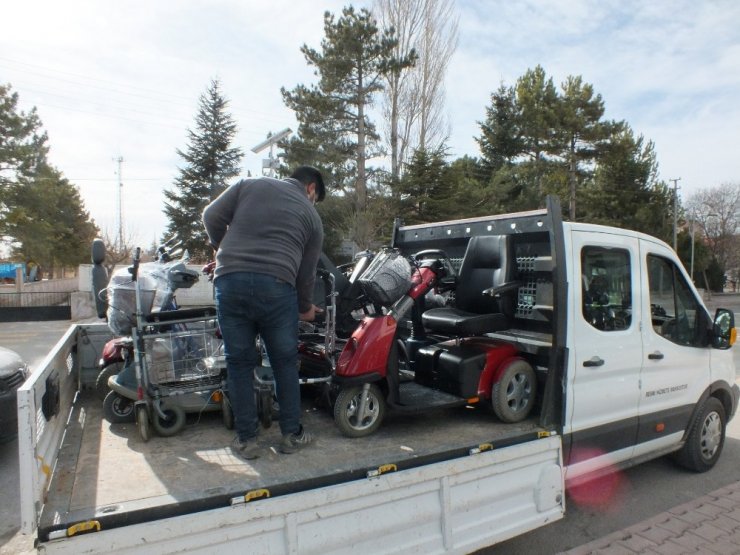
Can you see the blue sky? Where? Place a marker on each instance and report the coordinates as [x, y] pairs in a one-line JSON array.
[[116, 79]]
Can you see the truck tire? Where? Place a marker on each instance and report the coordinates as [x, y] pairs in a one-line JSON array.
[[173, 424], [706, 438], [101, 383], [347, 405], [117, 409], [513, 395]]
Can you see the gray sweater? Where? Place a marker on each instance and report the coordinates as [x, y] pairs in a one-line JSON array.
[[267, 226]]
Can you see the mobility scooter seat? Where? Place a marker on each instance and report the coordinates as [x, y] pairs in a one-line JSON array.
[[458, 322], [487, 264]]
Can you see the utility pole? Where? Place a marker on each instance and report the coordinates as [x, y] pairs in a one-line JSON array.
[[119, 160], [675, 211]]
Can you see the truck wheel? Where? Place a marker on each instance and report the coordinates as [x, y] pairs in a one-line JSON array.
[[706, 438], [101, 383], [118, 409], [142, 423], [171, 425], [226, 412], [514, 393], [347, 407], [264, 406]]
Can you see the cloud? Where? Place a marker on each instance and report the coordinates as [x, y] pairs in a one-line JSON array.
[[123, 78]]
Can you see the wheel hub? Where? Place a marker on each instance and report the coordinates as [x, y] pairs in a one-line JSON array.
[[711, 435], [518, 392]]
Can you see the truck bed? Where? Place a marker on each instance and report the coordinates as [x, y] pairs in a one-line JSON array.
[[106, 472]]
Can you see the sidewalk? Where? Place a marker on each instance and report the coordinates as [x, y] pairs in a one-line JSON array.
[[710, 524]]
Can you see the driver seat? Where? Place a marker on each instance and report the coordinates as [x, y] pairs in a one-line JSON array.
[[488, 263]]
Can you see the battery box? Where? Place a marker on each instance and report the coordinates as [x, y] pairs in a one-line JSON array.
[[455, 369]]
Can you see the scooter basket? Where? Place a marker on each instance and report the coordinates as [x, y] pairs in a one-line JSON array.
[[181, 356], [387, 278]]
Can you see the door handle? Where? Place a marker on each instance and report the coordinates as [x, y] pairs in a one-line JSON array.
[[593, 362], [657, 355]]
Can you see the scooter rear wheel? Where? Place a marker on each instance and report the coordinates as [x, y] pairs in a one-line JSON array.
[[347, 406], [173, 424], [118, 409], [101, 383], [513, 395]]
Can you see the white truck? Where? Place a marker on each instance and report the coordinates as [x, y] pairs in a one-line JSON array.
[[629, 363]]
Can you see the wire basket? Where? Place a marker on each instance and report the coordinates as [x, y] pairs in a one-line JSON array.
[[181, 356], [387, 278]]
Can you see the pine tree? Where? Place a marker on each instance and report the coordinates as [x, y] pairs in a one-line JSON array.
[[211, 162], [22, 142], [334, 130], [501, 141], [42, 216], [424, 188], [581, 131]]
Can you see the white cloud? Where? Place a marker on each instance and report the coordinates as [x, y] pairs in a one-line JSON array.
[[123, 78]]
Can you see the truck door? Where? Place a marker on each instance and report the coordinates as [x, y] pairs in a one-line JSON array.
[[604, 387], [677, 354]]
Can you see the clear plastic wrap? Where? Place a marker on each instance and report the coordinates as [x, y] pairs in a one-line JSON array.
[[121, 292]]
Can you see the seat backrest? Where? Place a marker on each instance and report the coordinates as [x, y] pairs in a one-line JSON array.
[[488, 262]]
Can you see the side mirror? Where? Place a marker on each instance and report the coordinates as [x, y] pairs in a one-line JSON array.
[[724, 332]]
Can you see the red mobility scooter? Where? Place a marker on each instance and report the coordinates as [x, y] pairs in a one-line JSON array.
[[412, 358]]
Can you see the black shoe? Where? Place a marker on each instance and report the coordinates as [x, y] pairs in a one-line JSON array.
[[293, 442], [247, 450]]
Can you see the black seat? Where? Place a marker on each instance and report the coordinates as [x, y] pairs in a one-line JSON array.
[[487, 265]]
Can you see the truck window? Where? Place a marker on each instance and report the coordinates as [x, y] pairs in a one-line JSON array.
[[607, 288], [674, 309]]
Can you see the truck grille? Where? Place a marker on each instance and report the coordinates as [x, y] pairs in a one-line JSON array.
[[11, 382]]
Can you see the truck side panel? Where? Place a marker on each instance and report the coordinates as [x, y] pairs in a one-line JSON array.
[[455, 506]]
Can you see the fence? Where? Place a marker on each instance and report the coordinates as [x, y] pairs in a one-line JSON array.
[[30, 306]]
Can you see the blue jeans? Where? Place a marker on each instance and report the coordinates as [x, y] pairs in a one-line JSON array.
[[249, 303]]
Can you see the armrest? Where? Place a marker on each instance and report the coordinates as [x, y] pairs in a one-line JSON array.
[[502, 289]]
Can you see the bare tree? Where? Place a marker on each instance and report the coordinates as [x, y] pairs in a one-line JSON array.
[[716, 211], [118, 250], [414, 99]]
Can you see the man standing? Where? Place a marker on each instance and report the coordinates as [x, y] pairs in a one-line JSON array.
[[268, 236]]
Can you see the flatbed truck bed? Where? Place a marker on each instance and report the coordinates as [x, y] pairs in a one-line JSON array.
[[106, 470]]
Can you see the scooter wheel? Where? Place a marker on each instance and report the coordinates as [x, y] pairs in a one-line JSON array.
[[101, 383], [142, 423], [118, 409], [347, 406], [226, 412], [513, 395], [264, 406], [172, 424]]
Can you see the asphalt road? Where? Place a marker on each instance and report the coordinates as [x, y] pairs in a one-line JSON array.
[[632, 496]]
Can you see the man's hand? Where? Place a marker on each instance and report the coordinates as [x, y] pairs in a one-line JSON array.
[[310, 314]]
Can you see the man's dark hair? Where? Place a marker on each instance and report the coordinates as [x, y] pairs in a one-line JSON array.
[[308, 175]]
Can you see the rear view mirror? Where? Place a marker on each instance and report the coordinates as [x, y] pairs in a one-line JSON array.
[[724, 332]]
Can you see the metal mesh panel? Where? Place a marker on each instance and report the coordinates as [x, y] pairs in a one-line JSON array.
[[387, 278]]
